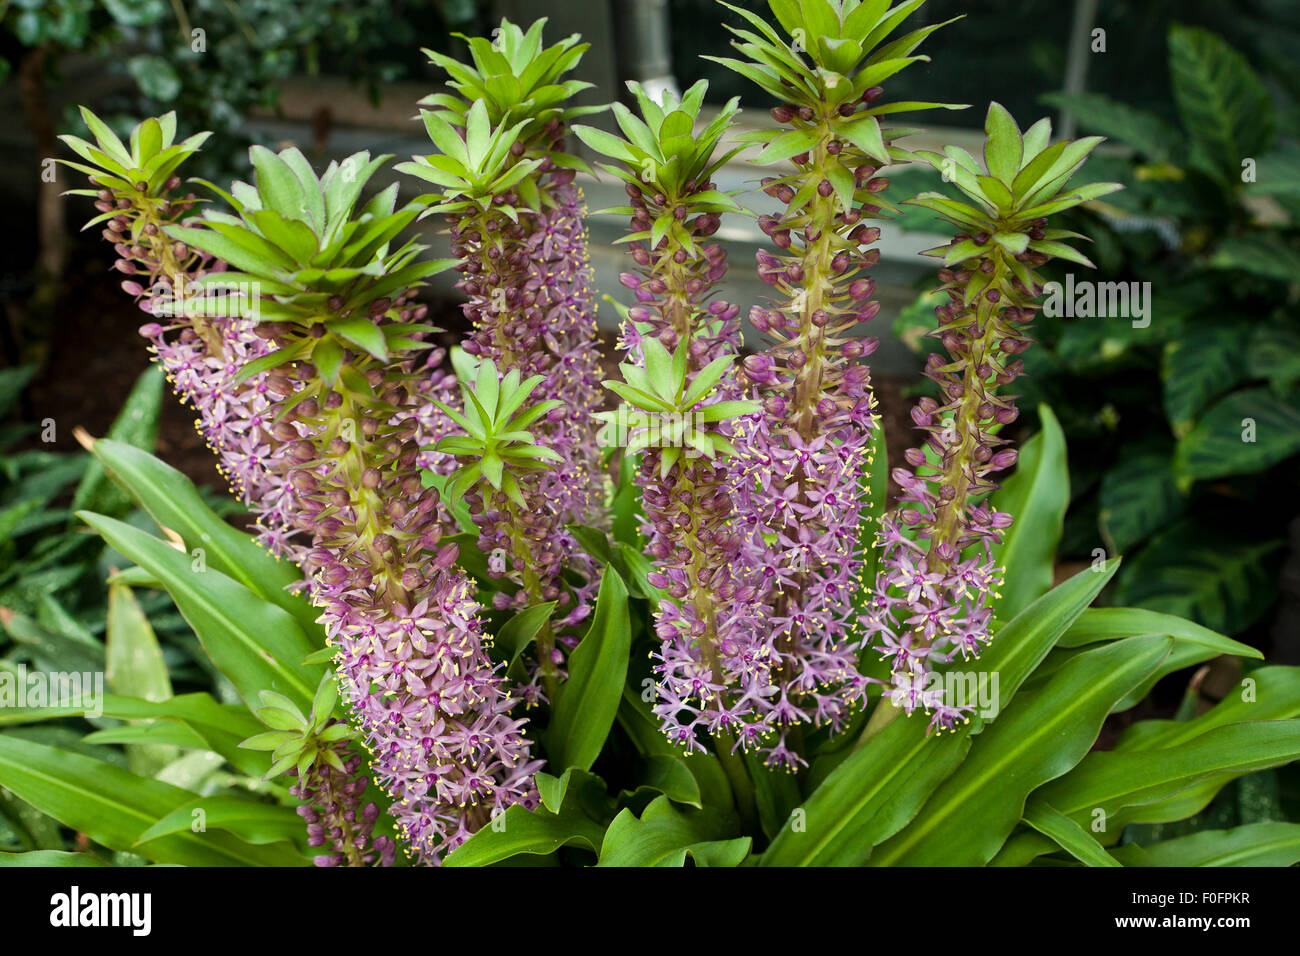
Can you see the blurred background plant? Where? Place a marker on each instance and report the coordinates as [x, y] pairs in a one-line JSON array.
[[212, 61]]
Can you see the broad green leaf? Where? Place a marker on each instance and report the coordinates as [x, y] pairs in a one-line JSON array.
[[55, 649], [1224, 105], [251, 821], [1262, 253], [253, 642], [1105, 783], [639, 723], [50, 858], [1256, 844], [245, 250], [869, 796], [1274, 354], [173, 502], [1249, 431], [518, 632], [672, 778], [1066, 833], [1189, 571], [664, 835], [135, 668], [1150, 136], [776, 794], [1111, 623], [1193, 644], [1200, 365], [881, 786], [1267, 693], [1139, 496], [587, 702], [579, 819], [1037, 494], [136, 425], [594, 541], [114, 807], [1045, 734], [168, 734]]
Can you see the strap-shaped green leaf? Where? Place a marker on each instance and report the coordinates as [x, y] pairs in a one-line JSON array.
[[1105, 783], [1255, 844], [50, 858], [173, 502], [257, 645], [574, 813], [1066, 833], [1045, 734], [250, 820], [882, 785], [136, 425], [588, 701], [115, 807], [1037, 494]]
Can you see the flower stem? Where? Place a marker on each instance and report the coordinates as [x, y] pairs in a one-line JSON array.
[[742, 787]]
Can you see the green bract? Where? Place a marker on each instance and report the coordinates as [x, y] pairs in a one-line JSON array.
[[471, 171], [150, 161], [312, 259], [512, 102], [497, 443], [1027, 180], [665, 152], [665, 157], [835, 53], [515, 78], [296, 741], [666, 412]]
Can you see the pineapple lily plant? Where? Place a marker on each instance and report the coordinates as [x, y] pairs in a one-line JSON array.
[[494, 607]]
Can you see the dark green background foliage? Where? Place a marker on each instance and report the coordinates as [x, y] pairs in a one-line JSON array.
[[249, 48]]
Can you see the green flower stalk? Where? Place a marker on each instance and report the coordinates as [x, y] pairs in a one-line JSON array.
[[506, 188], [199, 347], [667, 158], [411, 658], [681, 345], [808, 454], [932, 595]]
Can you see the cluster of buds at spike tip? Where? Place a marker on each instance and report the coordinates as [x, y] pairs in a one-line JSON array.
[[201, 342], [411, 657], [801, 477], [666, 159], [136, 201], [317, 750], [505, 185], [938, 570]]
